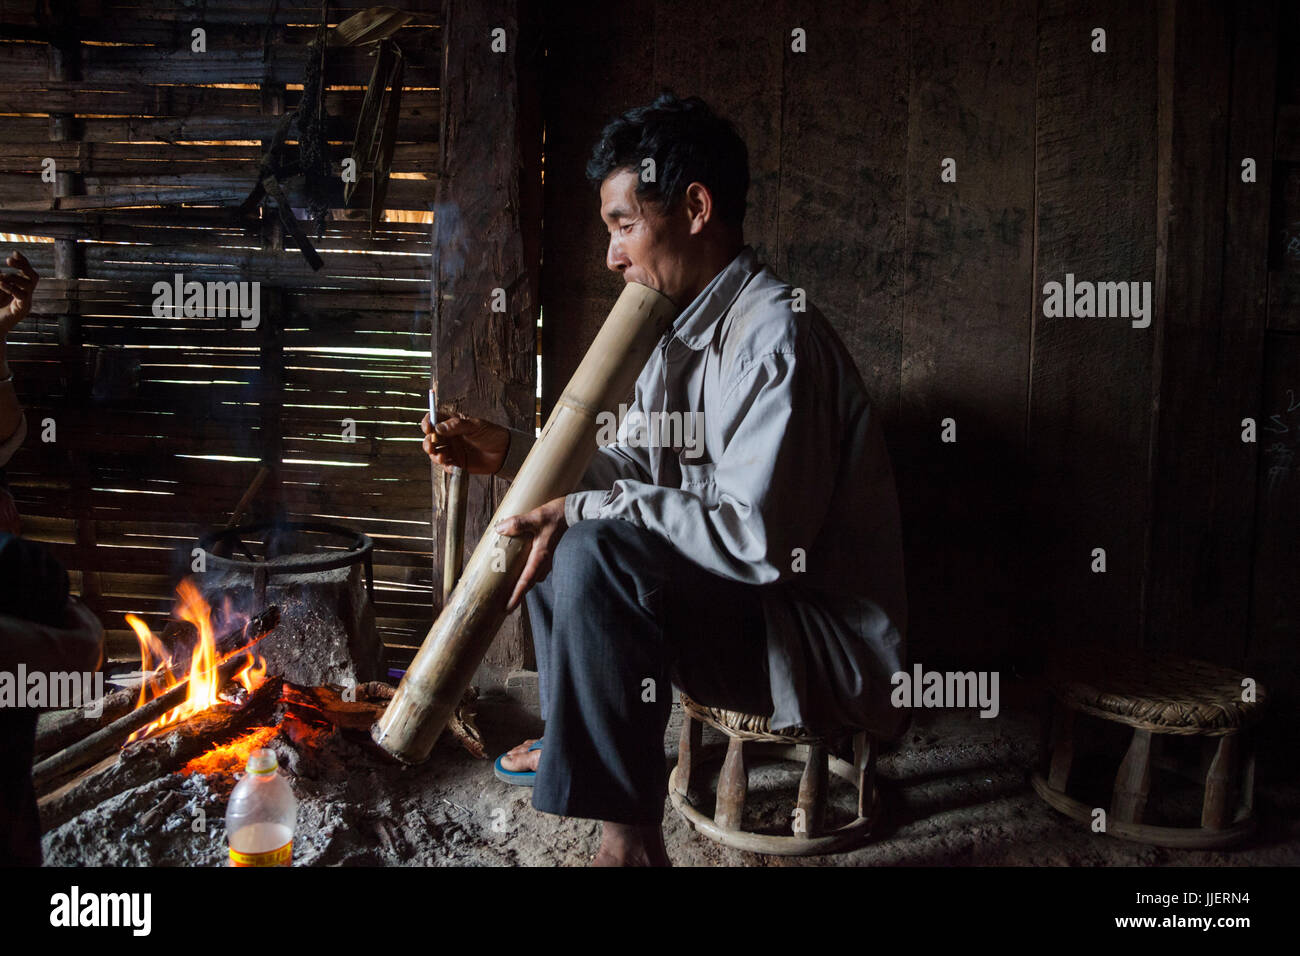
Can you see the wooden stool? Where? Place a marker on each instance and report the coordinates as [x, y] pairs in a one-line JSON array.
[[1155, 695], [748, 734]]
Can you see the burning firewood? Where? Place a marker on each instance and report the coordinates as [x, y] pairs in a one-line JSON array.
[[108, 738], [63, 728], [153, 757], [462, 723], [59, 729], [463, 727]]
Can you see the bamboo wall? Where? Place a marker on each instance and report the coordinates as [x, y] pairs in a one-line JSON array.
[[155, 146]]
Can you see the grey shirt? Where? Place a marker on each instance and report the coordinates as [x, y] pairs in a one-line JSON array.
[[787, 485]]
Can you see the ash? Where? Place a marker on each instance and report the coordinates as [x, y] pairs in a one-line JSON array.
[[955, 790]]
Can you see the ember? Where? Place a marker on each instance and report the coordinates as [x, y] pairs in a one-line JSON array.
[[230, 758]]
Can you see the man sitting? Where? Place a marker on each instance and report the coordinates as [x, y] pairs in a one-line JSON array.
[[759, 569]]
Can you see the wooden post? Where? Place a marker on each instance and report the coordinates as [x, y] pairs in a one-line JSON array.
[[70, 263], [486, 359], [453, 557], [271, 343]]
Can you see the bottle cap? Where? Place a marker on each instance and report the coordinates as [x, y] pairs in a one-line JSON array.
[[262, 761]]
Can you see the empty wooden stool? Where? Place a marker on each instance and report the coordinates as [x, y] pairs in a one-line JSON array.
[[749, 735], [1158, 695]]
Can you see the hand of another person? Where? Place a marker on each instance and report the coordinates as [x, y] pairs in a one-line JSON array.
[[85, 637], [547, 525], [16, 292], [460, 441]]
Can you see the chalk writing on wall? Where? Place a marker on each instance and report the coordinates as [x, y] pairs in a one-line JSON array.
[[1282, 451]]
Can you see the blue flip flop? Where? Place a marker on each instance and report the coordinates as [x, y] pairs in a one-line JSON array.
[[521, 778]]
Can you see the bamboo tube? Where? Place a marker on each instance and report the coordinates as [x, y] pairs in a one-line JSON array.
[[457, 512], [454, 502], [460, 637]]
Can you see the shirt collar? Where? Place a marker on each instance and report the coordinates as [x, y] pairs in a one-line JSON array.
[[696, 323]]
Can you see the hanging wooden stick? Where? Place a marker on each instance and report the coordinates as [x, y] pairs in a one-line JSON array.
[[445, 665]]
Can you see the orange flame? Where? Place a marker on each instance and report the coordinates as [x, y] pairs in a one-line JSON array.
[[253, 673], [155, 658]]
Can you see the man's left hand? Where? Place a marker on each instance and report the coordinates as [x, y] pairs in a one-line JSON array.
[[546, 525]]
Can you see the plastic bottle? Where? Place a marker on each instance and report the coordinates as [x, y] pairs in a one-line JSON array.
[[261, 815]]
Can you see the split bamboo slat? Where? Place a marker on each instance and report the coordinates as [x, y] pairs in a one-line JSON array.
[[161, 422]]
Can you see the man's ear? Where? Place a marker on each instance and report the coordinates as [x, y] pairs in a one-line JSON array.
[[699, 205]]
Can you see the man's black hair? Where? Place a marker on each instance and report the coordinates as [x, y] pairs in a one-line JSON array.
[[688, 143]]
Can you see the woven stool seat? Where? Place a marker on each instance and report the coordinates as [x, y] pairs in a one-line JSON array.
[[752, 734], [1161, 692], [748, 725], [1159, 696]]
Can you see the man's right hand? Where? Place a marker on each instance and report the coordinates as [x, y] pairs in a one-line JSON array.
[[459, 441]]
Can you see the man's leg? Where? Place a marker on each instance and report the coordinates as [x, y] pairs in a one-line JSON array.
[[540, 602], [620, 610]]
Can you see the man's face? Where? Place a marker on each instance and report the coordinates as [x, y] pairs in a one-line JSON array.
[[645, 245]]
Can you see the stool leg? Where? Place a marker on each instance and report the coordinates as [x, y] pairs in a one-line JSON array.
[[1047, 714], [1133, 782], [733, 782], [1063, 750], [864, 763], [688, 751], [1217, 809], [1248, 776], [812, 792]]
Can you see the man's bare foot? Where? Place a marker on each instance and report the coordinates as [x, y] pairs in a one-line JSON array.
[[520, 759], [623, 844]]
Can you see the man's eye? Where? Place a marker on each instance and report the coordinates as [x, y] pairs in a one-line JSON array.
[[625, 228]]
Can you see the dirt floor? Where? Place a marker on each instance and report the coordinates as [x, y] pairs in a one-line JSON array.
[[954, 789]]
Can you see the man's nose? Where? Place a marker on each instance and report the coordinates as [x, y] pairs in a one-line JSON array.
[[615, 259]]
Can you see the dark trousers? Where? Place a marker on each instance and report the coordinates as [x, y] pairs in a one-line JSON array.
[[621, 617], [33, 586]]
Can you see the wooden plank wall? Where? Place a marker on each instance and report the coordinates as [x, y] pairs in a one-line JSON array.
[[1091, 379], [1275, 607], [1215, 230], [1073, 433], [165, 143]]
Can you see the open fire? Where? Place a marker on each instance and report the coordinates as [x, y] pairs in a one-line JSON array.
[[200, 661]]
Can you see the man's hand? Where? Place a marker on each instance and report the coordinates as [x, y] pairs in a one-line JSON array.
[[546, 524], [16, 291], [463, 442]]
